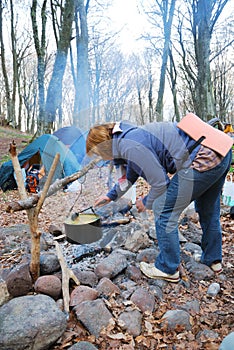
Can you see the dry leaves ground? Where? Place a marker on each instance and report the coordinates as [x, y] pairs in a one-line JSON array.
[[216, 314]]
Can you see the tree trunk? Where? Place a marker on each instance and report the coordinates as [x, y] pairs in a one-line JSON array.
[[203, 89], [81, 112], [4, 68], [54, 93], [173, 82], [15, 69], [204, 15], [40, 47], [167, 24]]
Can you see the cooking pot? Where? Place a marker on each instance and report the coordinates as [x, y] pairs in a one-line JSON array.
[[86, 228]]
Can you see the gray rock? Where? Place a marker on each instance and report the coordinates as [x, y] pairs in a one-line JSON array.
[[106, 287], [207, 333], [138, 240], [111, 266], [127, 287], [157, 282], [143, 299], [108, 236], [134, 273], [30, 322], [192, 248], [130, 320], [121, 235], [213, 289], [46, 241], [177, 318], [193, 233], [94, 315], [49, 263], [148, 255], [86, 277], [83, 345], [19, 281], [82, 293], [126, 253], [157, 292], [4, 272], [16, 237], [192, 306], [199, 271]]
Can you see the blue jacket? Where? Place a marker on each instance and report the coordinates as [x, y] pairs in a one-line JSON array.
[[152, 152]]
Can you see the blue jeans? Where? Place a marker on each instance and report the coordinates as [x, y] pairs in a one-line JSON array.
[[189, 185]]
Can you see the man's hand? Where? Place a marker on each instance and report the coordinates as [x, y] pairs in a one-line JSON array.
[[101, 201]]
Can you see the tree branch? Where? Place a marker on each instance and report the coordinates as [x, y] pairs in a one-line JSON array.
[[66, 275], [31, 201]]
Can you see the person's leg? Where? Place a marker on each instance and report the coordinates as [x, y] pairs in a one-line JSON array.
[[211, 242], [206, 193], [186, 186], [167, 210]]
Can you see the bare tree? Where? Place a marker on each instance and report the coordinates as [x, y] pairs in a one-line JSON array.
[[29, 93], [100, 45], [172, 72], [54, 92], [81, 114], [167, 9], [222, 77], [10, 108], [40, 47], [142, 74], [160, 14], [204, 15], [222, 70]]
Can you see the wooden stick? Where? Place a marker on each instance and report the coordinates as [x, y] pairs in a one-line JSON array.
[[47, 184], [31, 201], [66, 275], [18, 171], [32, 213], [33, 223]]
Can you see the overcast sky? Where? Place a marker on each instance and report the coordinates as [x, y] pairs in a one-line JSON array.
[[125, 14]]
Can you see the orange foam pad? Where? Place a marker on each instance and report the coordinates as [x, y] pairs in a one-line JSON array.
[[215, 139]]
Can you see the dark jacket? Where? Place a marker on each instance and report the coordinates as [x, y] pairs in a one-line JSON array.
[[152, 152]]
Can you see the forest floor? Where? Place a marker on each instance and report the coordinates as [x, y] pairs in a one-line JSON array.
[[7, 136], [221, 305]]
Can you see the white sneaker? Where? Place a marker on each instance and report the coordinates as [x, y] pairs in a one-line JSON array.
[[217, 267], [152, 272]]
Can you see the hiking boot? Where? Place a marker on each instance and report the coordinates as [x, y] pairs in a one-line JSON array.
[[152, 272], [217, 267]]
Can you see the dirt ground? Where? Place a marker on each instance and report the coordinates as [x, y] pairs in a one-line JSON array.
[[7, 136], [217, 315]]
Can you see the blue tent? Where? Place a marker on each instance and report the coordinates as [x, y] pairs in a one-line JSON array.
[[75, 139], [68, 134], [78, 147], [41, 151]]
